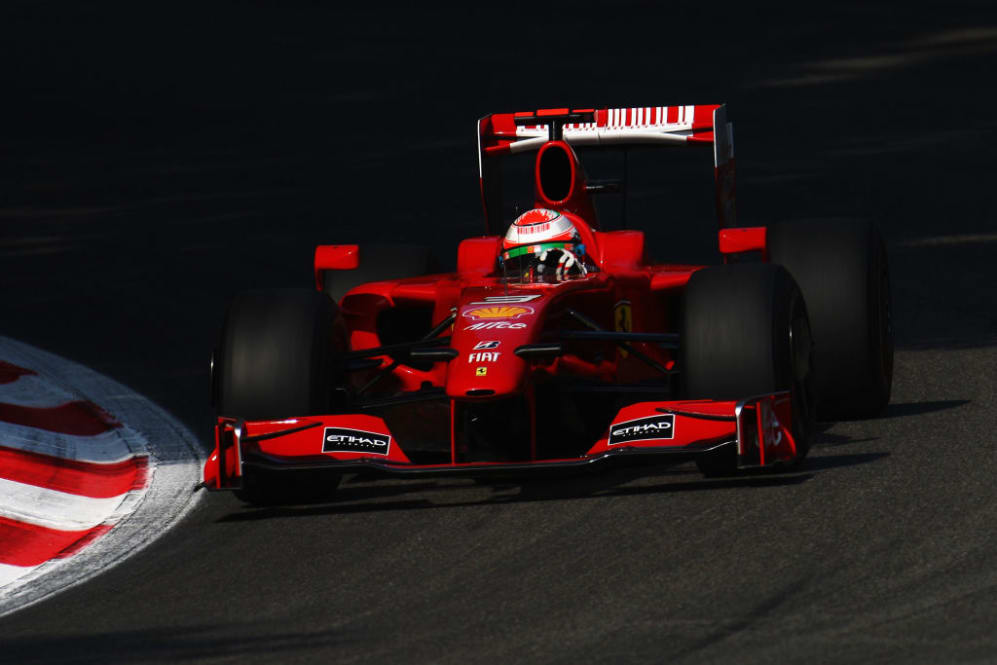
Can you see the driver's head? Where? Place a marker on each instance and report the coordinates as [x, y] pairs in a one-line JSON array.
[[542, 245]]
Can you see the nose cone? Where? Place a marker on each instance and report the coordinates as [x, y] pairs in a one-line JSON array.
[[486, 334]]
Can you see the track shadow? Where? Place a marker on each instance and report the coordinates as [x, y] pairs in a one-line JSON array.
[[575, 487], [825, 462], [898, 411], [830, 439], [917, 408], [581, 487], [192, 643]]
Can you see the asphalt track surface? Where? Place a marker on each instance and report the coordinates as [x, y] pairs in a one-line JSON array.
[[156, 161]]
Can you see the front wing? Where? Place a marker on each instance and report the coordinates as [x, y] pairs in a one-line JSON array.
[[760, 428]]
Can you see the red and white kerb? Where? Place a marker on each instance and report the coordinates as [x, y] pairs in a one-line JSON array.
[[67, 473]]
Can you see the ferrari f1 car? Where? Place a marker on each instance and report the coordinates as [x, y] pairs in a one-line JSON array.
[[555, 344]]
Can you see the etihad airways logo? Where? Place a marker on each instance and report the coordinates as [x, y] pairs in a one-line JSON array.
[[643, 429], [341, 440]]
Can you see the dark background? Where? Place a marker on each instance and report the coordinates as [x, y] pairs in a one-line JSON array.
[[157, 159]]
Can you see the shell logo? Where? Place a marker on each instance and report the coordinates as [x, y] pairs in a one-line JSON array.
[[492, 312]]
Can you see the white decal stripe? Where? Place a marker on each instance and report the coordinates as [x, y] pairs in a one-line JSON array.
[[53, 509], [626, 125]]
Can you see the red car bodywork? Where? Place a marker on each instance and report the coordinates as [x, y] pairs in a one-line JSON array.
[[504, 344]]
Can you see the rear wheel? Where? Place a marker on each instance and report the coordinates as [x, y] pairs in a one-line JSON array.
[[841, 267], [745, 332], [280, 357]]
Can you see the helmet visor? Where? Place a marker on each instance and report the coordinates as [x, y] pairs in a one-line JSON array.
[[522, 265]]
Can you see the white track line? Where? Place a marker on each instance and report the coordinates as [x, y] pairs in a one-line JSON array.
[[117, 445], [9, 573], [52, 509], [174, 469], [31, 390]]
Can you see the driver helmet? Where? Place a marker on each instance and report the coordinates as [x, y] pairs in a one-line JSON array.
[[542, 245]]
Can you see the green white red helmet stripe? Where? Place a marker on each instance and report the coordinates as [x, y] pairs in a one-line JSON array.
[[536, 249]]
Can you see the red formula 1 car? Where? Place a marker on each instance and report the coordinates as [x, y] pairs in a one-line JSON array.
[[555, 344]]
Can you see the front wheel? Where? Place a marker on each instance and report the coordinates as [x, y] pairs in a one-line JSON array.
[[280, 357], [745, 332]]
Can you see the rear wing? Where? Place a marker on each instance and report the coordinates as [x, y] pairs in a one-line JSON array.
[[501, 134]]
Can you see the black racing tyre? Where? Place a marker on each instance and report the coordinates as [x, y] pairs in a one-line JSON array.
[[378, 263], [842, 269], [745, 332], [280, 356]]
